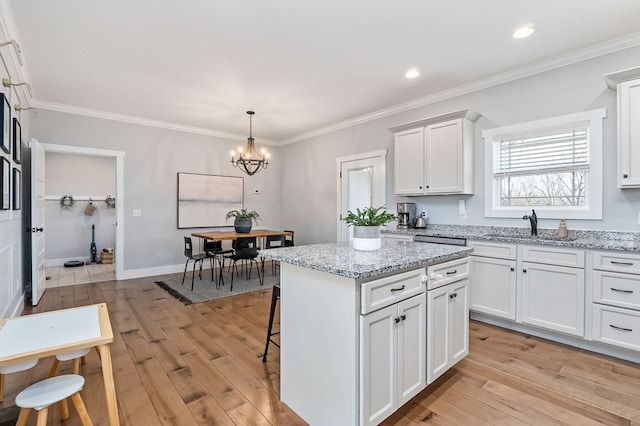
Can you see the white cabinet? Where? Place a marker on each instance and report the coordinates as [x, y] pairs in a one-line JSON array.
[[393, 358], [627, 83], [409, 162], [616, 298], [493, 268], [447, 316], [435, 156], [553, 295]]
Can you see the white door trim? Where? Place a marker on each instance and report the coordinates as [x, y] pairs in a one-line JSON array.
[[119, 156], [382, 154]]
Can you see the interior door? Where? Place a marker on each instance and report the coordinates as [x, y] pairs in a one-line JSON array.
[[38, 283], [362, 184]]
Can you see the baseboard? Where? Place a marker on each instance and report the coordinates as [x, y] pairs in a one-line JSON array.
[[15, 307]]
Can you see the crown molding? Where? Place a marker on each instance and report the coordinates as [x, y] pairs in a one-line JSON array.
[[88, 112], [626, 42]]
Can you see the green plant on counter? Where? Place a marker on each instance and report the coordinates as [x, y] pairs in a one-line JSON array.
[[370, 216], [243, 215]]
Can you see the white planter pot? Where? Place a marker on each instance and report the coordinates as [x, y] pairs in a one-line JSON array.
[[366, 238]]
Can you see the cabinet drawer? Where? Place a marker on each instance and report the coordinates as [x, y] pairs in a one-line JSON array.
[[616, 326], [614, 261], [491, 249], [613, 288], [386, 291], [553, 256], [448, 272]]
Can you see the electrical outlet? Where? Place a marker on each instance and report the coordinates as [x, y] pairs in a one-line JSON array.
[[137, 212]]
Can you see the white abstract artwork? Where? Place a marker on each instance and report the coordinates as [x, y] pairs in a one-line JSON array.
[[204, 200]]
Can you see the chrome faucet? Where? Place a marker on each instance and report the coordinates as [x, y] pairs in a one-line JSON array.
[[533, 219]]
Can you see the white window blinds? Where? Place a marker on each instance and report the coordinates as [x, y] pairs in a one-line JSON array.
[[558, 151]]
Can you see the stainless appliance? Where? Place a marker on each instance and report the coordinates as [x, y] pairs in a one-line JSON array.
[[406, 214], [452, 241], [420, 221]]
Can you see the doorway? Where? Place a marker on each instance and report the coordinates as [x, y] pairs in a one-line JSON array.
[[361, 184], [38, 191]]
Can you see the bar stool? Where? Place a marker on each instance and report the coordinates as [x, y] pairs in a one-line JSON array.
[[14, 368], [76, 356], [275, 296], [39, 396]]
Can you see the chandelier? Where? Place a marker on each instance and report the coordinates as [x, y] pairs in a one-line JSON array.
[[248, 159]]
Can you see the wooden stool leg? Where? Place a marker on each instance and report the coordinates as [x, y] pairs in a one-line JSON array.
[[81, 409], [23, 417], [76, 366], [64, 409], [84, 360], [1, 387], [42, 417], [54, 367]]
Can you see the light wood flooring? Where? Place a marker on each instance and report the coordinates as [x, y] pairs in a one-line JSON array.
[[201, 365]]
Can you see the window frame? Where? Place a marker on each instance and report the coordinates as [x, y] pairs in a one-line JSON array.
[[592, 210]]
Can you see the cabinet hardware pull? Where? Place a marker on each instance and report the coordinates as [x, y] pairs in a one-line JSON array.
[[398, 289], [624, 176], [403, 317], [617, 290], [524, 270], [453, 295], [620, 328], [622, 263], [455, 271], [513, 269], [397, 320]]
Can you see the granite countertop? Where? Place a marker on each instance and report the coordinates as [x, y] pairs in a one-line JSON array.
[[341, 259], [601, 240]]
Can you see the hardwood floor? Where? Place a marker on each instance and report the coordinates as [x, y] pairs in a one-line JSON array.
[[201, 365]]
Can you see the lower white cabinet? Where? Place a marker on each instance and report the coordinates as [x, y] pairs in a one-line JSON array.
[[494, 286], [447, 328], [393, 358], [553, 297]]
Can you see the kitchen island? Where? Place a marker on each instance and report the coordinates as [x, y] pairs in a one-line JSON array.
[[338, 308]]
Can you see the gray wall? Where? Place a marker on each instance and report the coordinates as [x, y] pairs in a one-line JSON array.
[[299, 188], [69, 230], [309, 200], [153, 157]]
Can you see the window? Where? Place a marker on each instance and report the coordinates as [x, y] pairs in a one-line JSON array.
[[552, 165]]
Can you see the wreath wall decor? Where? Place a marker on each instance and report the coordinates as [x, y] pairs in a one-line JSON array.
[[110, 202], [67, 202]]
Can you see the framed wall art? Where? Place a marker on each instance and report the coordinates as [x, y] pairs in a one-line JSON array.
[[5, 122], [5, 168], [17, 141], [204, 200], [17, 189]]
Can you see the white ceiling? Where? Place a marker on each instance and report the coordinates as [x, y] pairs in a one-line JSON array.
[[301, 65]]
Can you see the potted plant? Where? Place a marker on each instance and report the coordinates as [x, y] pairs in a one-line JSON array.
[[366, 226], [243, 219]]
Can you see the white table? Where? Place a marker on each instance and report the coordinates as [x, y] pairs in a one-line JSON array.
[[49, 333]]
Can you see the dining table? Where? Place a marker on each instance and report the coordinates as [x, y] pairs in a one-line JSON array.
[[49, 333], [233, 235]]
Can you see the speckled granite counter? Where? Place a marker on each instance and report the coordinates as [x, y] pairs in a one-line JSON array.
[[600, 240], [341, 259]]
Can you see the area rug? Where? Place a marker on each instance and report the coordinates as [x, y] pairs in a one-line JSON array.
[[204, 289]]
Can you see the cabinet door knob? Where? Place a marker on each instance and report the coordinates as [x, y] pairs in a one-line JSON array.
[[625, 176], [524, 270], [397, 320], [513, 269], [403, 317]]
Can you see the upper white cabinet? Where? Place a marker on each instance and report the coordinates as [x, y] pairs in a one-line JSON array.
[[434, 156], [627, 83]]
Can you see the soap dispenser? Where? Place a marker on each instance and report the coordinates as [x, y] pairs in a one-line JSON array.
[[562, 229]]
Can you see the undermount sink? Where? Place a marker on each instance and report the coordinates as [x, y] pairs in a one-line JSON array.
[[531, 237]]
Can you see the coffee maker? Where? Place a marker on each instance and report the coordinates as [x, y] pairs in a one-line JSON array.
[[406, 214]]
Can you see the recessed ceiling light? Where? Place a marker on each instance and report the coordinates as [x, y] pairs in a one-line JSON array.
[[523, 32], [412, 73]]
